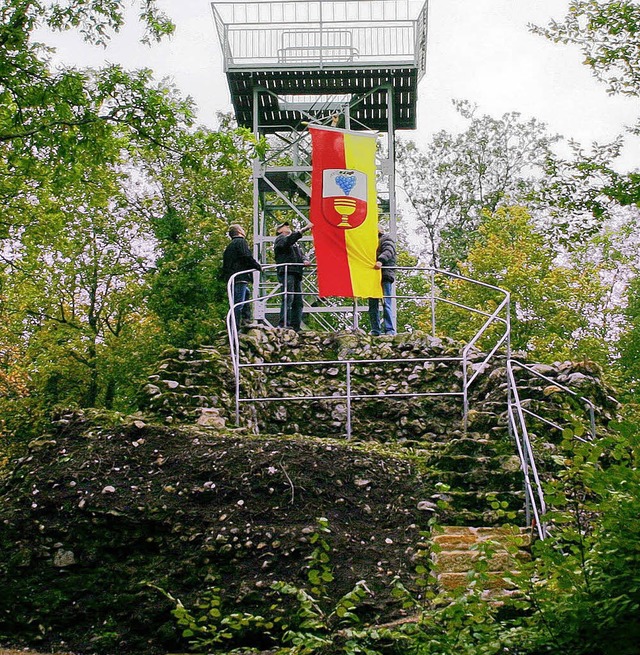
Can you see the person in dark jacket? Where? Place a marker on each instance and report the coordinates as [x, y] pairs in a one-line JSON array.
[[291, 259], [237, 257], [385, 260]]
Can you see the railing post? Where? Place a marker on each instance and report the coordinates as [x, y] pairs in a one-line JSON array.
[[234, 342], [592, 420], [465, 392], [433, 302], [238, 393], [285, 298], [508, 321], [321, 44], [348, 394]]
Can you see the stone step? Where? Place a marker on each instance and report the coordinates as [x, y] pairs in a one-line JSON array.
[[482, 500], [458, 549], [483, 444], [457, 463], [462, 561], [479, 478], [465, 538], [479, 518]]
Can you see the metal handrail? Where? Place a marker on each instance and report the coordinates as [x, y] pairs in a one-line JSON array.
[[505, 338], [591, 408], [295, 32], [535, 505], [534, 497], [499, 316]]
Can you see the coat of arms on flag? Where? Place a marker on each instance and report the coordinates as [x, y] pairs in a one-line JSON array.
[[344, 212], [344, 197]]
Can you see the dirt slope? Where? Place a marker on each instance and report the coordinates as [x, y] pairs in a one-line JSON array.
[[97, 511]]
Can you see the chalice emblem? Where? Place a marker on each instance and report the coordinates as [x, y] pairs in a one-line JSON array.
[[344, 205], [344, 197]]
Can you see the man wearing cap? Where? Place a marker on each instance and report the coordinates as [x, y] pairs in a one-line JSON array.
[[290, 259], [237, 257]]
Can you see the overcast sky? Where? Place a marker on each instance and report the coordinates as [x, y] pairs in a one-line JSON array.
[[478, 50]]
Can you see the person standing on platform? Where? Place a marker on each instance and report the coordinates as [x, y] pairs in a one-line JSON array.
[[237, 257], [291, 259], [385, 260]]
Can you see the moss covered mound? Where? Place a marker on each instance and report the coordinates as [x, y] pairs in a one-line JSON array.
[[101, 509]]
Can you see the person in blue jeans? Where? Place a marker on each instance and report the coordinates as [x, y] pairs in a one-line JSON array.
[[385, 258], [237, 257], [291, 260]]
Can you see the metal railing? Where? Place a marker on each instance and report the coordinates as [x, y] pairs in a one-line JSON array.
[[322, 32], [589, 407], [267, 301], [497, 320], [535, 506]]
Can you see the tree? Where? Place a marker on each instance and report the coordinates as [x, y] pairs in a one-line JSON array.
[[47, 116], [192, 199], [493, 162], [629, 343], [75, 285], [583, 194], [553, 304], [608, 35], [71, 264]]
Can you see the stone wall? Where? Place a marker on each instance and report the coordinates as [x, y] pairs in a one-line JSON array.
[[104, 509], [198, 385]]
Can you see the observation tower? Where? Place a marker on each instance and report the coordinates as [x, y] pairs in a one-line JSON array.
[[353, 64]]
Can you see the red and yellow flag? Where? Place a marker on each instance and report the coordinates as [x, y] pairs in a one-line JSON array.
[[344, 212]]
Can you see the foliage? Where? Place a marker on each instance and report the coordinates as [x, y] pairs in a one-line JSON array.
[[552, 303], [580, 594], [75, 287], [54, 123], [464, 622], [311, 627], [585, 581], [583, 193], [72, 250], [457, 177], [90, 163], [16, 405], [196, 193], [629, 342], [608, 36], [410, 285]]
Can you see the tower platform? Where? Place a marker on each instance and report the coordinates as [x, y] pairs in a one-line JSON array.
[[366, 89], [288, 61]]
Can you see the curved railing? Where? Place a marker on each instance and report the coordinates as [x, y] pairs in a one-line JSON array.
[[495, 334], [348, 317]]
